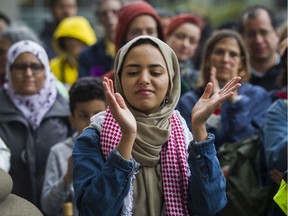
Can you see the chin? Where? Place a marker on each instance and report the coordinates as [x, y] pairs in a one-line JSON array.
[[145, 110], [28, 92], [182, 58]]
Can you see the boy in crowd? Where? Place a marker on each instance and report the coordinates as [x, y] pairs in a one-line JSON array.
[[86, 99]]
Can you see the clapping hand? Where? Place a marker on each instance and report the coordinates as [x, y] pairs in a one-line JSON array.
[[119, 109], [216, 86], [209, 102], [124, 118]]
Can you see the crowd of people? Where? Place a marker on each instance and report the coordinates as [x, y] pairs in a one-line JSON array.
[[130, 123]]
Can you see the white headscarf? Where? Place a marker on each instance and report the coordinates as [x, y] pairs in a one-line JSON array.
[[34, 107]]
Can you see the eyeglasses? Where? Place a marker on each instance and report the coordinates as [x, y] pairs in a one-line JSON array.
[[263, 33], [20, 68], [106, 12]]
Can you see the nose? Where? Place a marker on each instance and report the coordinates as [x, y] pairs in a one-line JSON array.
[[143, 32], [144, 79], [226, 56], [258, 38], [186, 42], [28, 71]]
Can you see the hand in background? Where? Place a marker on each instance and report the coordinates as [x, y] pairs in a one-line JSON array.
[[216, 86], [208, 103]]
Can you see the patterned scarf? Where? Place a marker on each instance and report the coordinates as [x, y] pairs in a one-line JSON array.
[[34, 107], [173, 163]]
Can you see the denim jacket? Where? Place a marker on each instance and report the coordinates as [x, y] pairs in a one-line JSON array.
[[275, 138], [101, 185]]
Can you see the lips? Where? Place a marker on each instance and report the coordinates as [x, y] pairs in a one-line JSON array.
[[259, 47], [223, 69], [144, 92], [182, 52], [28, 82], [260, 50]]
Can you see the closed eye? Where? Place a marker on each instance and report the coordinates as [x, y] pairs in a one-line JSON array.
[[132, 73], [155, 73]]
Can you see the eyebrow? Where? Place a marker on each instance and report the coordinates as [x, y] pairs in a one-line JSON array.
[[229, 50], [149, 66]]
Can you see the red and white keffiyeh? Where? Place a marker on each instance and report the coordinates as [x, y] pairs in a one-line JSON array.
[[173, 162]]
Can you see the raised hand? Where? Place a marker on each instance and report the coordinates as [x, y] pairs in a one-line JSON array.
[[124, 118], [214, 80], [216, 86], [119, 109], [208, 103]]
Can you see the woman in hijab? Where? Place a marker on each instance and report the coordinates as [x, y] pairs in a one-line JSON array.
[[139, 157], [33, 116]]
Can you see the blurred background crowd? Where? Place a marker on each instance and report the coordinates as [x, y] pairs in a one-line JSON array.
[[35, 12], [214, 40]]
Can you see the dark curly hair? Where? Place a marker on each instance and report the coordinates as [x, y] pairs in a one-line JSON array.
[[86, 89]]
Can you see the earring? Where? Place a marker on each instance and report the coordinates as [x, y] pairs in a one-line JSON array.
[[166, 100]]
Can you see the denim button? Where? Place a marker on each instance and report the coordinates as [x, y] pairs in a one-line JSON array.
[[198, 156]]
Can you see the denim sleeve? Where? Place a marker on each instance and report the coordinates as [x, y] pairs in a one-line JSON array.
[[275, 136], [207, 185], [100, 186]]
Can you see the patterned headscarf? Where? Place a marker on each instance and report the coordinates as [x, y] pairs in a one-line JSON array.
[[34, 107]]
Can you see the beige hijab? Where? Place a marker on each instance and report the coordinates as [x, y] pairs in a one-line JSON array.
[[153, 131]]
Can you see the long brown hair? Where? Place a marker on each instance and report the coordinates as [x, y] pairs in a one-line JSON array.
[[205, 69]]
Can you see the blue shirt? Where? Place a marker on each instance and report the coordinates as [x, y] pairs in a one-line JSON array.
[[239, 120]]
